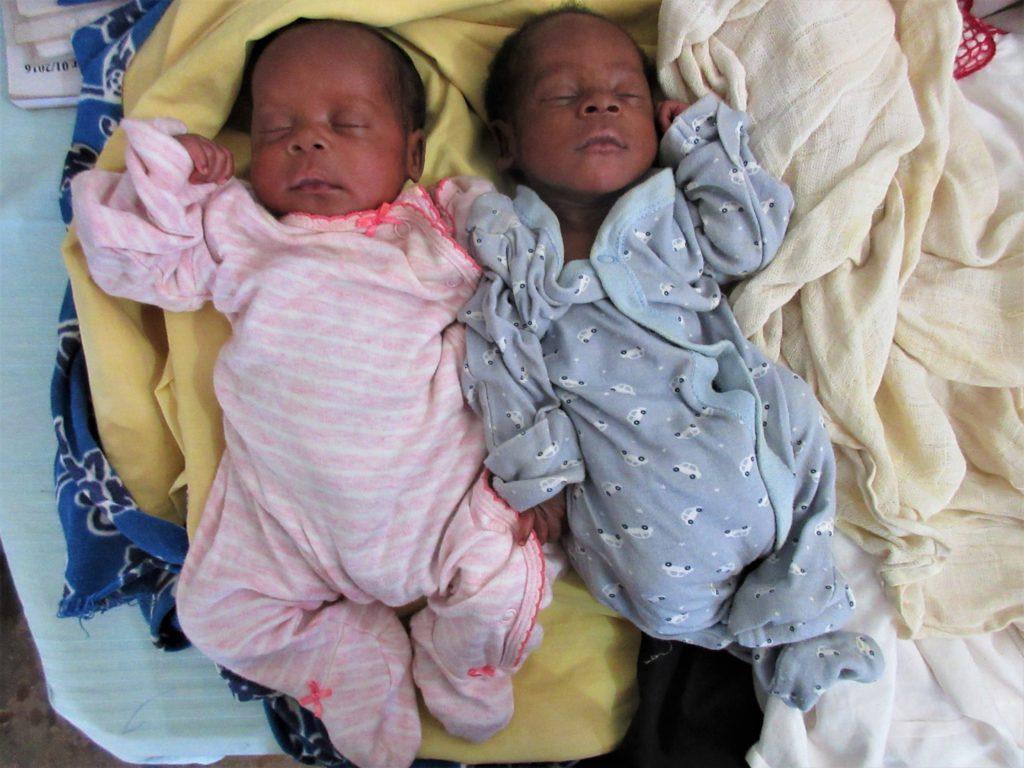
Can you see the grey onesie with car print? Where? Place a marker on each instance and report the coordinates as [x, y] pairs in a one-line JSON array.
[[700, 475]]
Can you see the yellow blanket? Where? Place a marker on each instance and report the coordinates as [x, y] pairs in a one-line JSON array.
[[151, 372], [898, 292]]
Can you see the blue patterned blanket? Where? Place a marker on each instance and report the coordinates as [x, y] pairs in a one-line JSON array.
[[116, 553]]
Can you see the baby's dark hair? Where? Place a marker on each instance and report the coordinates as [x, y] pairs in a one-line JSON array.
[[411, 90], [501, 89]]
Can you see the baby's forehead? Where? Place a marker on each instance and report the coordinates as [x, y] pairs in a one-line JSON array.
[[569, 42], [574, 39], [286, 71], [327, 49], [569, 65]]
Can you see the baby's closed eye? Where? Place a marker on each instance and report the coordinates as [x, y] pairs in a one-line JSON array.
[[351, 117], [563, 97], [271, 121]]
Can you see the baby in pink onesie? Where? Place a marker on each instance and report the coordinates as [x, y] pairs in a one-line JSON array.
[[351, 480]]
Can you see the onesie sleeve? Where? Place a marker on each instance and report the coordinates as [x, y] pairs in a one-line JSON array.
[[142, 230], [732, 211], [797, 592], [533, 450], [454, 197]]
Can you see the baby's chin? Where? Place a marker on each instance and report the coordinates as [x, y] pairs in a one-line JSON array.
[[596, 180], [323, 202], [600, 188], [613, 186], [328, 206]]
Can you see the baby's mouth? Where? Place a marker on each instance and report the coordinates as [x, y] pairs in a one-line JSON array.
[[313, 185], [606, 141]]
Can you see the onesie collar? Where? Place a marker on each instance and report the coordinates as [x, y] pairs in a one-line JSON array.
[[365, 221], [656, 190]]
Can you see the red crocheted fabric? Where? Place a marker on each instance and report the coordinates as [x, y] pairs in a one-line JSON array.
[[977, 42]]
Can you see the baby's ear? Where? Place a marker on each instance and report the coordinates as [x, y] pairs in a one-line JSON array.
[[505, 137], [415, 154]]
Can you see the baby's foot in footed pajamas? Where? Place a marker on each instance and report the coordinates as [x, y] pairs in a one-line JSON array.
[[477, 631], [805, 670], [473, 703], [368, 702]]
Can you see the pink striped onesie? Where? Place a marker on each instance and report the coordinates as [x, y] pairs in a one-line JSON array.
[[351, 481]]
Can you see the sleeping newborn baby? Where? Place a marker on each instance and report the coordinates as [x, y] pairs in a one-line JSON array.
[[606, 362], [351, 481]]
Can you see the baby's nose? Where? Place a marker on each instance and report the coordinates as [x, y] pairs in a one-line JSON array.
[[599, 103], [307, 141]]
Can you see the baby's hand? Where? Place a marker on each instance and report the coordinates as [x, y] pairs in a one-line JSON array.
[[668, 111], [545, 520], [213, 163]]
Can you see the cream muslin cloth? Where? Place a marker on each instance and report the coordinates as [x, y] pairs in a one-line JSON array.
[[897, 293]]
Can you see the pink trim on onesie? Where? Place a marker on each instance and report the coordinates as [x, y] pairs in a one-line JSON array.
[[446, 212], [334, 221], [368, 220], [441, 222], [532, 541], [540, 596], [373, 219]]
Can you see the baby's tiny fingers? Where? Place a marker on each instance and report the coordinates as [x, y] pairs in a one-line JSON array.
[[540, 527], [523, 526], [229, 166], [219, 167], [555, 529], [202, 162], [225, 164], [204, 159]]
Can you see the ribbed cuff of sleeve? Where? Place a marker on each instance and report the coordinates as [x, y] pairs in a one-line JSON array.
[[534, 466]]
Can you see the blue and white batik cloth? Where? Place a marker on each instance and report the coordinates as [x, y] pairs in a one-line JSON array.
[[116, 552], [700, 475]]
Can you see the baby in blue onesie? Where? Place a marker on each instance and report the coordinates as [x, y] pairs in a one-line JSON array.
[[698, 475]]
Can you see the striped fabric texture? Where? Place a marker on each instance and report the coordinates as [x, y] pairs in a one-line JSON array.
[[351, 481]]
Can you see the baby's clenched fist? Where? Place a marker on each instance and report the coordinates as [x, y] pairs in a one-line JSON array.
[[213, 163]]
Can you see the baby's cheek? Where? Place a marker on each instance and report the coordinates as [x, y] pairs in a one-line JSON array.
[[256, 172], [265, 178]]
